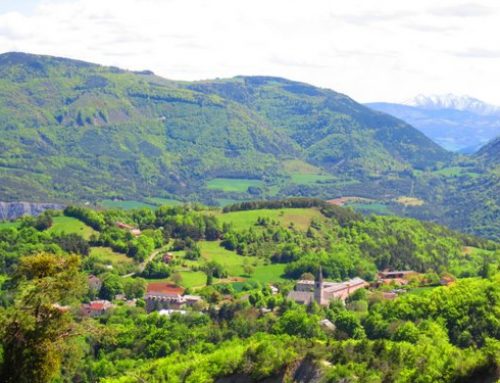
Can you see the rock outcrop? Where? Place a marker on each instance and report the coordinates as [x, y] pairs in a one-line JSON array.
[[13, 210]]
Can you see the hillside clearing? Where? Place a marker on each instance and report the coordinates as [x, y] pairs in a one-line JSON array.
[[237, 185], [70, 225], [301, 218]]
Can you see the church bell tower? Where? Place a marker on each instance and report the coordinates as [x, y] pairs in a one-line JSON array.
[[318, 288]]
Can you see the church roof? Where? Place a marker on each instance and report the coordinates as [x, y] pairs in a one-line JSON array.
[[301, 296]]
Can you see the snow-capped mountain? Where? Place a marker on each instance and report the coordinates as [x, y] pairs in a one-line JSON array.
[[452, 101], [457, 123]]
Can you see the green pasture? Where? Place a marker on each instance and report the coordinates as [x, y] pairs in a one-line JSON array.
[[69, 225], [238, 185], [301, 218], [8, 224], [125, 204], [375, 207]]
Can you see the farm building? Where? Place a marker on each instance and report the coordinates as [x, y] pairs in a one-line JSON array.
[[161, 295]]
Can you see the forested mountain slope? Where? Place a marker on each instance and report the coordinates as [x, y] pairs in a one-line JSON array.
[[74, 130], [334, 131], [81, 131]]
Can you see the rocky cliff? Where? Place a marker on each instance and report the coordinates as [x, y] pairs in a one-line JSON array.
[[13, 210]]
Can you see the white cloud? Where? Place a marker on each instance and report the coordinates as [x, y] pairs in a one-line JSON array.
[[386, 50]]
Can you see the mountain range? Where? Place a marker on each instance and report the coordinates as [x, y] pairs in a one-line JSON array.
[[457, 123], [73, 131]]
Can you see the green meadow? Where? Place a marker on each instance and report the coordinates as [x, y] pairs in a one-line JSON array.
[[240, 220], [125, 204], [7, 224], [238, 185], [68, 225]]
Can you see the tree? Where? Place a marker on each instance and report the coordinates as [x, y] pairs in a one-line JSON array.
[[348, 325], [247, 268], [307, 276], [112, 284], [134, 287], [177, 278], [36, 330]]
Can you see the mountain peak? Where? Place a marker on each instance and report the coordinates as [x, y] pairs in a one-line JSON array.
[[452, 101]]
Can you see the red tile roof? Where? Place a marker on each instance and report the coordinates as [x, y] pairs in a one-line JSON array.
[[96, 306], [164, 288]]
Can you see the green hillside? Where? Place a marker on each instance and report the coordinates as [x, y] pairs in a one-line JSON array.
[[334, 131], [76, 132], [103, 132]]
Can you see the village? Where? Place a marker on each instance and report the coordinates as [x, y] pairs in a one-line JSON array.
[[167, 298]]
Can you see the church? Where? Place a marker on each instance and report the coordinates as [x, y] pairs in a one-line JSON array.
[[322, 292]]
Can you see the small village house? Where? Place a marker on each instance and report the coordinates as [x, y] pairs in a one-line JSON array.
[[133, 230], [397, 277], [94, 283], [167, 258], [95, 308]]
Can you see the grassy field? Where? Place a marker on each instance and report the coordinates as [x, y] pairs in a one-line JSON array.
[[238, 185], [421, 290], [127, 204], [455, 171], [109, 256], [376, 207], [164, 202], [305, 179], [120, 262], [226, 201], [268, 273], [7, 224], [192, 279], [70, 225], [298, 166], [409, 201], [232, 262], [303, 173], [245, 219]]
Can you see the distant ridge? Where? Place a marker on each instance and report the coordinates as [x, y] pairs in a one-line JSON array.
[[455, 102], [457, 123]]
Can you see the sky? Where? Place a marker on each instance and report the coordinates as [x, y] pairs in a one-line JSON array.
[[384, 50]]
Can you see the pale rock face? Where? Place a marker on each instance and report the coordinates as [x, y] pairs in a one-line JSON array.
[[451, 101], [13, 210]]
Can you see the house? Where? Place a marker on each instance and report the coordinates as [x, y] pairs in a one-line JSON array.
[[168, 312], [397, 277], [61, 308], [389, 295], [167, 258], [446, 280], [95, 308], [122, 225], [133, 230], [162, 295], [323, 292], [274, 290], [94, 283]]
